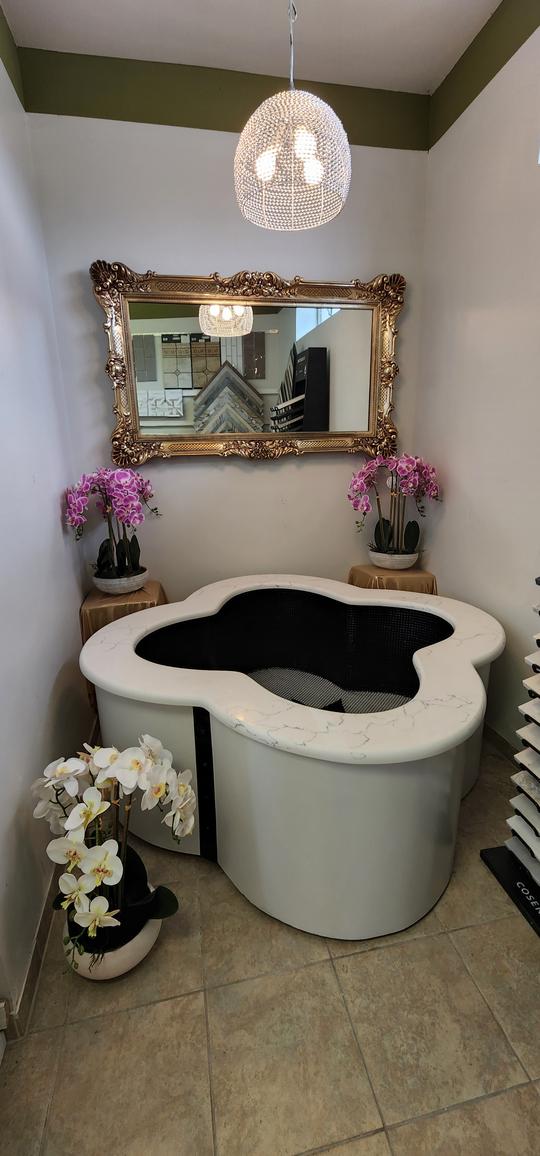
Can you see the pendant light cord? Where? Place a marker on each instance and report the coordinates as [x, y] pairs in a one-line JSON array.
[[292, 19]]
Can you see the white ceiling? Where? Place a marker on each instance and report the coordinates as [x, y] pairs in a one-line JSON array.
[[398, 44]]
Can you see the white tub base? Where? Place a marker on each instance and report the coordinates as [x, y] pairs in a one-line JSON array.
[[340, 824], [308, 843]]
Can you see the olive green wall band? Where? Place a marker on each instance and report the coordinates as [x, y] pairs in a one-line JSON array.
[[148, 92], [152, 310], [510, 26], [10, 56], [209, 98]]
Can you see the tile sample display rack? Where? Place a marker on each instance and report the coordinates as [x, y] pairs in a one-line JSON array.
[[516, 865], [303, 404]]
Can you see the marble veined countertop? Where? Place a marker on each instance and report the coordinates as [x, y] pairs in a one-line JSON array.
[[446, 710]]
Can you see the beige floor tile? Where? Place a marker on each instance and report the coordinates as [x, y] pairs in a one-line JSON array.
[[54, 951], [240, 942], [429, 925], [144, 1075], [170, 866], [484, 810], [287, 1075], [173, 967], [428, 1038], [473, 894], [52, 997], [504, 960], [27, 1077], [504, 1125], [368, 1146]]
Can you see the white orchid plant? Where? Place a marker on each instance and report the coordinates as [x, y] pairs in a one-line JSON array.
[[87, 802]]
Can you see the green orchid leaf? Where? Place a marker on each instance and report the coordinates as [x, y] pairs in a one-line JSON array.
[[163, 903]]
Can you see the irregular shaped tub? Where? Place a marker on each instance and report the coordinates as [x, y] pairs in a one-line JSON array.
[[331, 732]]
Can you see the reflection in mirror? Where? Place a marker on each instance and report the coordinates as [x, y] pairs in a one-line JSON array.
[[300, 369]]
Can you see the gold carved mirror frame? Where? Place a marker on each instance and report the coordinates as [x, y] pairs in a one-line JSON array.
[[115, 285]]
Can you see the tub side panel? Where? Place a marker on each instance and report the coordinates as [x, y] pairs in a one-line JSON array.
[[473, 746], [345, 851], [122, 720]]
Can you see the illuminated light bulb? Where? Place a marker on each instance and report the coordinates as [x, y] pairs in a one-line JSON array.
[[313, 171], [238, 310], [225, 321], [305, 143], [265, 165]]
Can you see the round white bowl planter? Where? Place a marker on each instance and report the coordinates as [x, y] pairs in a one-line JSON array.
[[125, 585], [392, 561], [122, 959]]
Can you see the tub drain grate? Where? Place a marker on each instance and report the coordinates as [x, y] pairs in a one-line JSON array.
[[312, 690]]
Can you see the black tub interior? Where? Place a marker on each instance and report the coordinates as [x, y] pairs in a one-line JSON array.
[[306, 647]]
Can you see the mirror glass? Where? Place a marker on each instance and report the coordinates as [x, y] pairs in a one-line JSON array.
[[300, 369]]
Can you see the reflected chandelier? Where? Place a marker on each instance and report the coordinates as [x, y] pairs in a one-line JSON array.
[[292, 167], [226, 320]]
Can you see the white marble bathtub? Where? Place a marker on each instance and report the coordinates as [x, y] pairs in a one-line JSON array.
[[338, 823]]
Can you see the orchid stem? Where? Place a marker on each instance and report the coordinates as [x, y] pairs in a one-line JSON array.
[[125, 829], [379, 508]]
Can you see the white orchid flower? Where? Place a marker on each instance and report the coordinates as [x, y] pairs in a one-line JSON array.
[[97, 916], [183, 804], [69, 849], [154, 749], [47, 808], [89, 751], [62, 774], [157, 783], [76, 891], [128, 768], [56, 820], [102, 865], [103, 757], [84, 813]]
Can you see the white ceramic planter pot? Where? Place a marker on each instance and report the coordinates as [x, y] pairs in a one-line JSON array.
[[123, 959], [121, 585], [392, 561]]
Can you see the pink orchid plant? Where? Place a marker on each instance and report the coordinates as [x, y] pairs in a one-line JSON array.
[[121, 496], [408, 477]]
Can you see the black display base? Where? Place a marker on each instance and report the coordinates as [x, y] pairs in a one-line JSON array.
[[518, 884]]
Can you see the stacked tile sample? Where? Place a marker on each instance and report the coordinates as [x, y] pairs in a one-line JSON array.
[[524, 824], [516, 864]]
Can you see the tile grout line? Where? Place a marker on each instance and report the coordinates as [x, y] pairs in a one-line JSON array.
[[490, 1009], [54, 1084], [480, 923], [357, 1041], [39, 977], [339, 1143], [389, 1128], [246, 979], [210, 1083], [413, 938]]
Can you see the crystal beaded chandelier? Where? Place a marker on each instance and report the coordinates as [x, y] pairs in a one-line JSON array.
[[292, 167], [226, 320]]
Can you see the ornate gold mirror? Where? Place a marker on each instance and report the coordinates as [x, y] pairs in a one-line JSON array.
[[251, 365]]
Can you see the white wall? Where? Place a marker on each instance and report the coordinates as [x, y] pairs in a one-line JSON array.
[[347, 337], [43, 707], [125, 191], [478, 413]]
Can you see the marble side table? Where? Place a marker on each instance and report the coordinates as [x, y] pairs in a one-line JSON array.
[[100, 609], [377, 578]]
